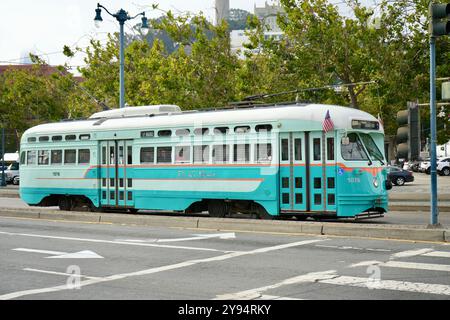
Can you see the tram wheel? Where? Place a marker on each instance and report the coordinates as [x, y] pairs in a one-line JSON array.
[[218, 209], [65, 203], [301, 217]]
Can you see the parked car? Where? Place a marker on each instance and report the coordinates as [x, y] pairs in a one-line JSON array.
[[12, 172], [399, 176], [441, 164], [414, 166]]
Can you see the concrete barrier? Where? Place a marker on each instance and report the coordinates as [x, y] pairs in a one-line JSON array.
[[395, 232]]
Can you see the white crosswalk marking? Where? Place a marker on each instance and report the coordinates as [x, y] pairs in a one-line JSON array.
[[390, 285], [441, 254]]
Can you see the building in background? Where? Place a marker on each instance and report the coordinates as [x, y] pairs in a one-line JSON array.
[[222, 10], [268, 16]]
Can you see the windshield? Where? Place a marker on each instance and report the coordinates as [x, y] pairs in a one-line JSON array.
[[371, 147], [354, 150]]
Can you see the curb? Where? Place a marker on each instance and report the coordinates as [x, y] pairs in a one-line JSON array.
[[395, 232], [406, 207]]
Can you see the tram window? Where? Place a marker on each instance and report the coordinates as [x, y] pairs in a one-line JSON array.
[[129, 195], [84, 156], [263, 152], [31, 157], [70, 156], [201, 154], [242, 129], [316, 144], [43, 157], [112, 195], [285, 198], [56, 138], [104, 195], [354, 150], [220, 153], [104, 183], [331, 199], [298, 198], [121, 195], [182, 132], [263, 128], [31, 139], [298, 183], [121, 183], [164, 155], [85, 136], [121, 155], [22, 157], [71, 137], [330, 148], [241, 153], [147, 134], [148, 155], [298, 148], [56, 156], [317, 199], [103, 155], [317, 183], [285, 182], [129, 155], [43, 139], [182, 154], [129, 183], [164, 133], [330, 183], [284, 150], [201, 131], [221, 130], [112, 155]]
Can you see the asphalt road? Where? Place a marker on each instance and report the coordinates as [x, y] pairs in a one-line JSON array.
[[65, 260]]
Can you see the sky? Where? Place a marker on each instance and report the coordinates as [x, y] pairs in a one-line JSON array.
[[45, 26]]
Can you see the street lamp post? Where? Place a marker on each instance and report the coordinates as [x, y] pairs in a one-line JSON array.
[[121, 16]]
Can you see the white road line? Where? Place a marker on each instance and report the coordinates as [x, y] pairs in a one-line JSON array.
[[39, 251], [111, 242], [418, 266], [440, 254], [59, 273], [405, 286], [269, 297], [410, 253], [257, 293], [188, 263], [404, 265], [353, 248]]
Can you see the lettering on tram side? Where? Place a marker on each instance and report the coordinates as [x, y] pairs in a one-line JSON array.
[[196, 174], [225, 309]]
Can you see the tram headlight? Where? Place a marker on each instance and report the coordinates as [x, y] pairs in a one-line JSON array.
[[375, 182]]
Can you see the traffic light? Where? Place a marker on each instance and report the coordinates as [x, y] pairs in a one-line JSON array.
[[408, 133], [439, 14]]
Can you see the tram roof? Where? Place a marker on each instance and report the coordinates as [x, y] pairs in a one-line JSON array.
[[341, 117]]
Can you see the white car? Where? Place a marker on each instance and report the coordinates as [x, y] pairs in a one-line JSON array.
[[441, 164], [12, 172], [443, 167]]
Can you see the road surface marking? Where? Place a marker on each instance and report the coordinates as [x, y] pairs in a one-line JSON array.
[[440, 254], [112, 242], [59, 273], [410, 253], [404, 265], [231, 235], [39, 251], [85, 254], [405, 286], [353, 248], [188, 263], [257, 293]]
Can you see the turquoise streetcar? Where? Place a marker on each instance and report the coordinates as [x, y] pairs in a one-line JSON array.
[[281, 160]]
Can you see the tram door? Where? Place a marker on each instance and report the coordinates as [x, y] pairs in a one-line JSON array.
[[293, 195], [116, 156], [321, 171]]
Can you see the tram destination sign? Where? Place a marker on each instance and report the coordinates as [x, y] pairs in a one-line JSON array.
[[365, 125]]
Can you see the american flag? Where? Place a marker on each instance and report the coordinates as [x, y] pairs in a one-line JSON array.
[[327, 124]]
